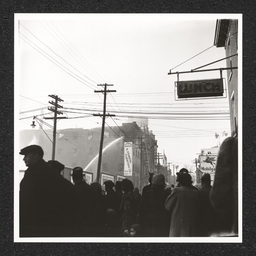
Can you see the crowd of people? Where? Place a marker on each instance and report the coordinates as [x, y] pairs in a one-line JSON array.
[[52, 206]]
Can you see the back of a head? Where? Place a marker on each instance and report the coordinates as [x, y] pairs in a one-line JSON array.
[[56, 165], [97, 187], [151, 175], [206, 179], [127, 185], [118, 186], [109, 184], [183, 171], [158, 181], [77, 174], [184, 179]]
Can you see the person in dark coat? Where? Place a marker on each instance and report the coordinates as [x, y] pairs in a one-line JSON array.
[[183, 207], [111, 205], [148, 187], [40, 196], [129, 207], [86, 198], [208, 217], [111, 199], [68, 202], [118, 189], [154, 218], [99, 216], [224, 194]]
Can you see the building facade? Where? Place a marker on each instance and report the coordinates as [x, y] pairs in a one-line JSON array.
[[226, 35]]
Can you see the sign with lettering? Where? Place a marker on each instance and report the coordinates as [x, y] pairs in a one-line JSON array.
[[127, 158], [200, 88], [207, 163]]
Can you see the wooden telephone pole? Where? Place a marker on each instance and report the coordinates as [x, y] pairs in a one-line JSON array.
[[105, 91], [54, 109]]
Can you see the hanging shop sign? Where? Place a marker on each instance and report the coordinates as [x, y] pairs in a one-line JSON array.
[[127, 158], [200, 88]]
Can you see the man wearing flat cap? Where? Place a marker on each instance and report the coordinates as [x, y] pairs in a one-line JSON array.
[[40, 195], [32, 154]]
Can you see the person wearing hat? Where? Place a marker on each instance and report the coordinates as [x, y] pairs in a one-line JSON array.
[[183, 174], [208, 217], [153, 216], [183, 207], [70, 216], [32, 155], [111, 206], [39, 196], [56, 166], [86, 198], [149, 186]]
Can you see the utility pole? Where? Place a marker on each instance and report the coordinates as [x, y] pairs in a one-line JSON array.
[[158, 157], [54, 109], [105, 91], [141, 163]]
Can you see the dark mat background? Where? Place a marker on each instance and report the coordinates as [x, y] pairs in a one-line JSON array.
[[7, 10]]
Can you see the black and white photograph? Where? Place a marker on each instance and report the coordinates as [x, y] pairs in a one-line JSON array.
[[128, 127]]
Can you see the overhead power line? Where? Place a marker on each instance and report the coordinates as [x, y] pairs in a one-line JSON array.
[[72, 50], [33, 100], [121, 129], [27, 117], [59, 55], [158, 113], [54, 61], [43, 130], [32, 110]]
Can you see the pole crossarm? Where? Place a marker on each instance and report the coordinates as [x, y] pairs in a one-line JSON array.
[[102, 115], [55, 97], [54, 109], [104, 91], [55, 104]]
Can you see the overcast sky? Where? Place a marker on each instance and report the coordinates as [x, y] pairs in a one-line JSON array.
[[68, 55]]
